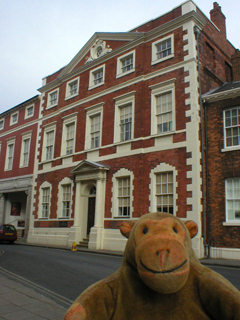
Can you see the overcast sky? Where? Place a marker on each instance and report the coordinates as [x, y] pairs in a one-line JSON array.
[[38, 37]]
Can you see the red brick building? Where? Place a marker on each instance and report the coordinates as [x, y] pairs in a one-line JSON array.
[[117, 133], [119, 129], [222, 107], [18, 136]]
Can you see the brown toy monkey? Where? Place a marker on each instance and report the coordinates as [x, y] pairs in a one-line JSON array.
[[160, 278]]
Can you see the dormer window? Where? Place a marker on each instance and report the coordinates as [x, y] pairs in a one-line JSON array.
[[72, 89]]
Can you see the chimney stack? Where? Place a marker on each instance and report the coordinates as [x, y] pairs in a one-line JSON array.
[[218, 18]]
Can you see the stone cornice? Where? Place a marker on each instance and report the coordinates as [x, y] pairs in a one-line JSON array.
[[20, 106], [123, 36], [135, 39]]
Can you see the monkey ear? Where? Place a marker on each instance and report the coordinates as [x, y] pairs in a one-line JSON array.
[[126, 228], [192, 228]]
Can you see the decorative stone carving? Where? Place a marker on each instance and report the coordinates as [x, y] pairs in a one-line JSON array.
[[98, 49]]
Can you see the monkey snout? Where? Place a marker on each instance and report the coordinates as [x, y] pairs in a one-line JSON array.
[[163, 256]]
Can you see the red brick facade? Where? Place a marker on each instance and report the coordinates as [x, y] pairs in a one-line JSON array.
[[223, 163], [18, 136]]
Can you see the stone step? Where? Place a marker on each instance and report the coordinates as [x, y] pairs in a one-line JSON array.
[[84, 243], [20, 233]]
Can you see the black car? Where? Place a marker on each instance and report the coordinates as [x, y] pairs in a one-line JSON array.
[[8, 233]]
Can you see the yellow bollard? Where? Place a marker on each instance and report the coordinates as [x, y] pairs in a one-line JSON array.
[[74, 246]]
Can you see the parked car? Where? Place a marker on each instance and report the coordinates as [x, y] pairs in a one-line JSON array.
[[8, 233]]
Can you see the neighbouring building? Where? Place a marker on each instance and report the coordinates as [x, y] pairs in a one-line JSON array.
[[222, 107], [120, 130], [18, 136]]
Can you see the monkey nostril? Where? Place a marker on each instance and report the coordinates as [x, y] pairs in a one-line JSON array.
[[166, 252]]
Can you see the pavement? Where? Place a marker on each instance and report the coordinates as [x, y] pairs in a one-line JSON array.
[[22, 300]]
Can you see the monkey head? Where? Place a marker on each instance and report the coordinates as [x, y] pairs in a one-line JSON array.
[[159, 247]]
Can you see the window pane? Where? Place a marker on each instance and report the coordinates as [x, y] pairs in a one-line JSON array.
[[98, 77], [127, 64], [126, 123], [73, 88], [123, 196], [233, 198], [45, 202], [70, 138], [26, 148], [164, 192], [164, 49], [95, 131], [164, 112], [232, 127], [66, 200]]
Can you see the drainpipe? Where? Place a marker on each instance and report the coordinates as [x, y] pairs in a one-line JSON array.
[[208, 243], [197, 33]]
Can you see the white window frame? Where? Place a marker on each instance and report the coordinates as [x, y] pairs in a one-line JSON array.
[[120, 71], [68, 88], [48, 129], [157, 90], [26, 111], [49, 104], [11, 119], [64, 182], [91, 112], [162, 168], [25, 137], [40, 211], [234, 198], [66, 122], [10, 142], [3, 122], [233, 126], [120, 102], [91, 77], [122, 173], [155, 44]]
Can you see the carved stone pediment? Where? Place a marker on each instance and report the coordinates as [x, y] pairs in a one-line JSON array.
[[98, 50]]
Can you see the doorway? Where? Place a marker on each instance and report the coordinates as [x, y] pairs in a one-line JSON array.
[[91, 209]]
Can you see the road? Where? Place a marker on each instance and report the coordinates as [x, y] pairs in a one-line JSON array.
[[61, 271], [68, 273]]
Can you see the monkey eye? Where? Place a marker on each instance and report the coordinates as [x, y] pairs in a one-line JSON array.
[[175, 230], [145, 230]]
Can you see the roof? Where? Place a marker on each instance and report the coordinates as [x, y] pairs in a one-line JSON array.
[[20, 105], [226, 91]]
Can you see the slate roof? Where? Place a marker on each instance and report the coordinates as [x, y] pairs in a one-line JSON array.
[[225, 87], [227, 90]]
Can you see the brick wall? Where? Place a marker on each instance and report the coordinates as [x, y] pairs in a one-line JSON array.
[[222, 165]]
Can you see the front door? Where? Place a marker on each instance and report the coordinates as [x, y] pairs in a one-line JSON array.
[[91, 213]]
